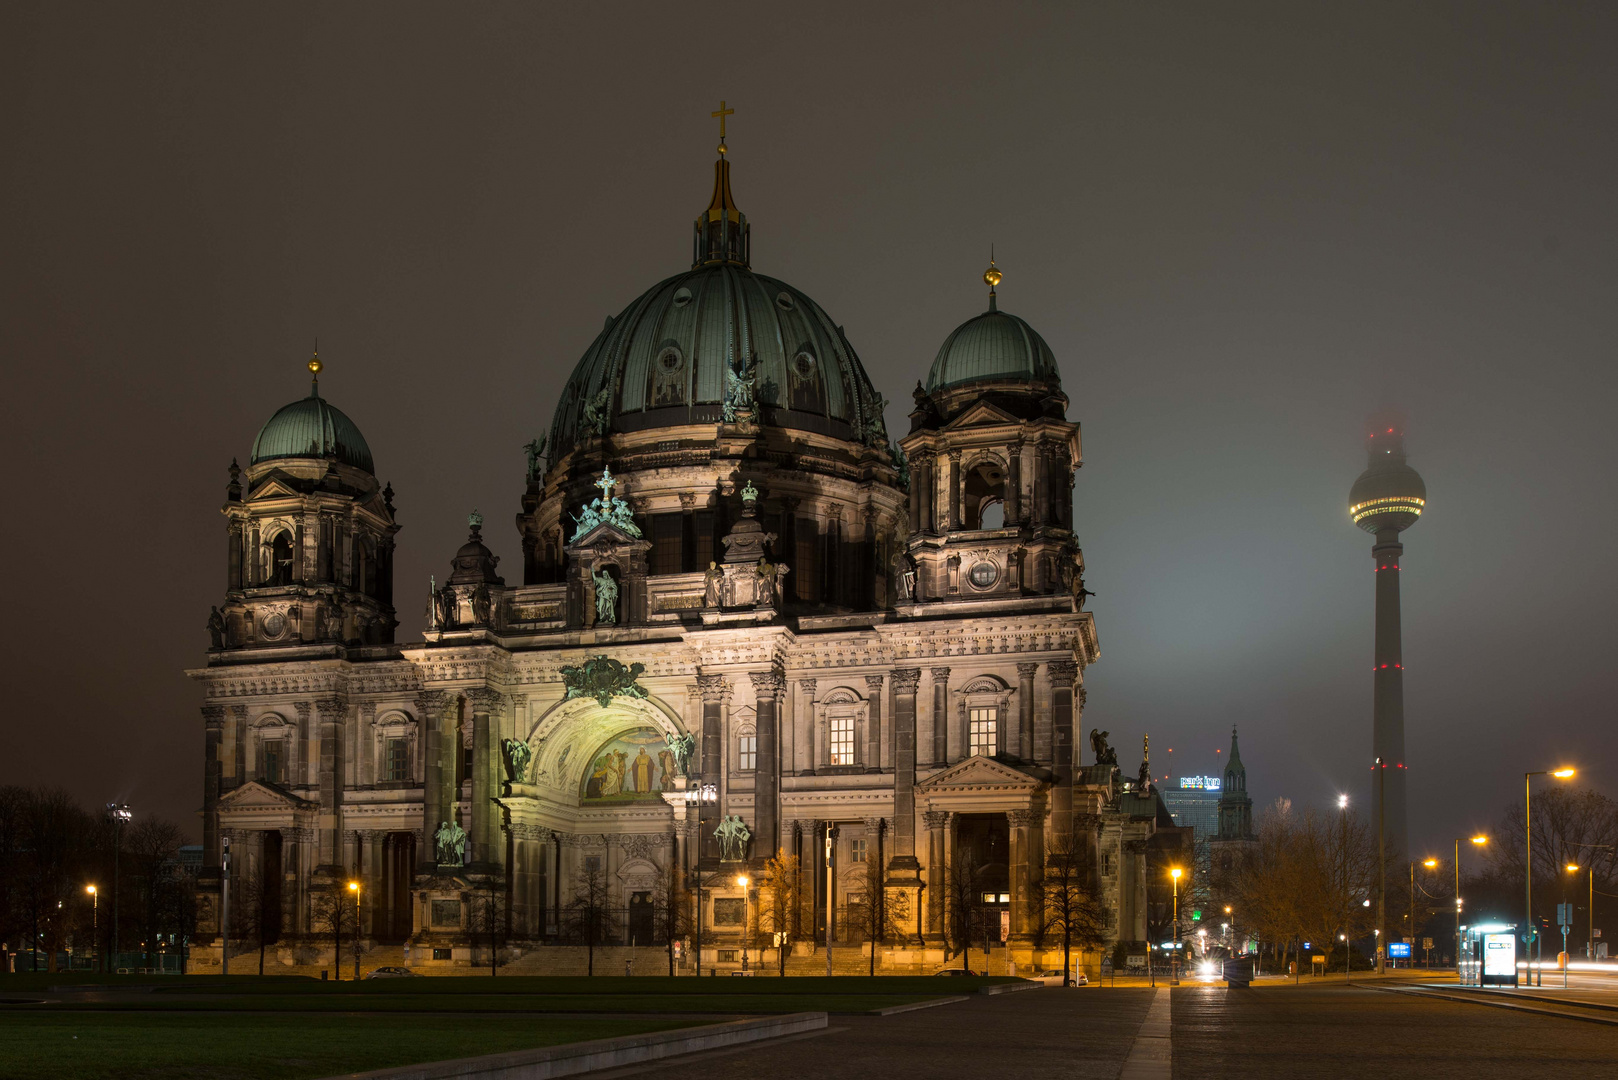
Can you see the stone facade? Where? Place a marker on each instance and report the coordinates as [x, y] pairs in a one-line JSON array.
[[833, 629]]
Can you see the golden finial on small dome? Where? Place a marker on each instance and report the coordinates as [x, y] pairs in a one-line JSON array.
[[991, 277], [314, 367]]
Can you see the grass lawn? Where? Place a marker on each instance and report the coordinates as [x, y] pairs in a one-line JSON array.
[[37, 1045]]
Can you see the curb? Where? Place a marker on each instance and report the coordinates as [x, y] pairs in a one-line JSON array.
[[892, 1010], [1515, 1006], [570, 1059], [1009, 988]]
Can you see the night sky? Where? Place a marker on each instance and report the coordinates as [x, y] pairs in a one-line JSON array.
[[1241, 229]]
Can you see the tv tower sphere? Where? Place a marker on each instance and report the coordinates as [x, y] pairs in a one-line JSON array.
[[1386, 500], [1389, 494]]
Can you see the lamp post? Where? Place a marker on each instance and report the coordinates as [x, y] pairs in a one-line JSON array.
[[1342, 816], [1174, 960], [1530, 934], [95, 923], [747, 916], [119, 815], [354, 887], [1479, 840], [1430, 864], [1381, 867], [702, 794]]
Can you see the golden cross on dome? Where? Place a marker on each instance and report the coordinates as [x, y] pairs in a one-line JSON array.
[[606, 484], [720, 115]]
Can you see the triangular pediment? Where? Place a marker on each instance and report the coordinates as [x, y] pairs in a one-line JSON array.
[[255, 795], [277, 485], [605, 535], [981, 414], [978, 772]]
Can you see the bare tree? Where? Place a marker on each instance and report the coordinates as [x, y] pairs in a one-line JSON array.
[[248, 897], [587, 911], [58, 837], [779, 903], [332, 912], [1067, 903], [873, 914], [671, 910], [151, 848], [488, 918], [963, 903]]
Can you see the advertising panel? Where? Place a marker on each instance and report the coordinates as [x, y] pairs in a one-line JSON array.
[[1500, 956], [1399, 950]]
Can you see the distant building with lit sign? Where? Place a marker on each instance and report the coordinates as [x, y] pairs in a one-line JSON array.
[[1193, 804]]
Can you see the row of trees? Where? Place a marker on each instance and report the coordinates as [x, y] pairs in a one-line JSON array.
[[52, 849], [1314, 876]]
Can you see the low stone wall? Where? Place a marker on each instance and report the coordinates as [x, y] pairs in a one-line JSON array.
[[574, 1058]]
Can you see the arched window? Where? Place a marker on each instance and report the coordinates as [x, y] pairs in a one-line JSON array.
[[985, 489], [281, 559]]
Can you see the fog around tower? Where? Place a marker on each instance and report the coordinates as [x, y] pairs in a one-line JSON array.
[[1240, 231]]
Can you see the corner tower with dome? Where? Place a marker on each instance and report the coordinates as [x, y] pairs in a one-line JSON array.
[[748, 624]]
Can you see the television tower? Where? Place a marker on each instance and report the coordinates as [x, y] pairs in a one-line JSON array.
[[1385, 501]]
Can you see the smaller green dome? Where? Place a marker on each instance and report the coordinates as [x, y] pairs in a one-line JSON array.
[[312, 429], [994, 346]]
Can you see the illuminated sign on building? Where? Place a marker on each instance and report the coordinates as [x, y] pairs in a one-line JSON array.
[[1199, 783]]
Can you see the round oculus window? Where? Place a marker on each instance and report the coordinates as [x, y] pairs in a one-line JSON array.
[[983, 575], [274, 623], [783, 300], [803, 364], [670, 360], [682, 296]]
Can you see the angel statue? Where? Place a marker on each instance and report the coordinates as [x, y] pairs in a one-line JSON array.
[[681, 746], [517, 755]]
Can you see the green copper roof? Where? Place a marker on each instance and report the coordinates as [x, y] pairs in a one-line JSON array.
[[994, 346], [312, 428]]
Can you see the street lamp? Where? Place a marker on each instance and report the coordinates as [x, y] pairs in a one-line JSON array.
[[95, 923], [354, 887], [747, 914], [1529, 933], [1342, 815], [1429, 863], [1478, 840], [1174, 961], [119, 815]]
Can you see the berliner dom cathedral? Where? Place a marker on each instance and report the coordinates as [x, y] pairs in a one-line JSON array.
[[765, 666]]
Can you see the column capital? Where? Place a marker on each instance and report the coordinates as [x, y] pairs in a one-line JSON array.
[[905, 680], [304, 709], [1022, 819], [328, 706], [238, 712], [688, 500], [485, 700], [873, 683], [808, 687], [874, 824], [941, 674], [1028, 671], [767, 685], [213, 716], [714, 688], [935, 819], [1063, 672], [429, 702]]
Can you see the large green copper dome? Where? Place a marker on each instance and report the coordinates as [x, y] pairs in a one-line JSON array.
[[993, 347], [311, 428], [662, 361]]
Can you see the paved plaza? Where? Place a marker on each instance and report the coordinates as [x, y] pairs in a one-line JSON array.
[[1275, 1030]]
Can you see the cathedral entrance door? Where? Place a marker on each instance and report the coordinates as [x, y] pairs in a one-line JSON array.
[[640, 918]]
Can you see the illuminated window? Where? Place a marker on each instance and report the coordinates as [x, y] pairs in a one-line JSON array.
[[398, 760], [842, 740], [273, 769], [747, 756], [982, 725]]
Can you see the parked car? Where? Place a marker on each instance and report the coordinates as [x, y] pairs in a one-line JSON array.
[[956, 971], [1054, 977], [391, 973]]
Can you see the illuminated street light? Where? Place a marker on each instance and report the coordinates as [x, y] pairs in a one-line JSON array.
[[1530, 935], [741, 880], [95, 923], [354, 887], [1174, 961]]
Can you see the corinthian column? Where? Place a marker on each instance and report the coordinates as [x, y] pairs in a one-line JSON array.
[[768, 685], [1062, 673], [430, 708], [485, 760], [715, 690], [213, 727], [904, 864], [330, 711]]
